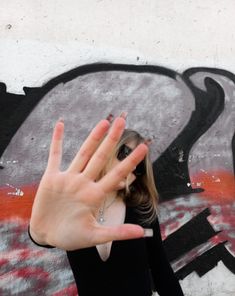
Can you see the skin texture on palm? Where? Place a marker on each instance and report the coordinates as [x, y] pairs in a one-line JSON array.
[[66, 204]]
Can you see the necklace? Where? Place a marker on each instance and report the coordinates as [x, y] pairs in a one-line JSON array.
[[100, 218]]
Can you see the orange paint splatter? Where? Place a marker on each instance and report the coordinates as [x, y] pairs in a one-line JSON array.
[[219, 185], [17, 206]]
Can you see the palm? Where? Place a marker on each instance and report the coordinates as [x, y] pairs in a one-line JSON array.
[[66, 203]]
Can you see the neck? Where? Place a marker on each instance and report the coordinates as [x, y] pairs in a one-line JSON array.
[[111, 196]]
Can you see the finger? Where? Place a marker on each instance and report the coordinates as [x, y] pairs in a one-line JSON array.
[[123, 114], [89, 146], [111, 180], [104, 234], [55, 153], [102, 155]]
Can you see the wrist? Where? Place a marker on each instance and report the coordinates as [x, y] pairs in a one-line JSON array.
[[37, 240]]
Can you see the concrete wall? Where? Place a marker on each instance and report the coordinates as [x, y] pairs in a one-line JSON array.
[[171, 66]]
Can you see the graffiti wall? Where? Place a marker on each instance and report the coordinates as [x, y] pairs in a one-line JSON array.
[[190, 118]]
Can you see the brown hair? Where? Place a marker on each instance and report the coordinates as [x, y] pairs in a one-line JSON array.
[[142, 193]]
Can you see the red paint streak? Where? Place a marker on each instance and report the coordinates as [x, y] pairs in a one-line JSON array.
[[219, 185], [3, 262], [40, 277], [69, 291], [25, 254], [173, 226], [32, 272], [216, 240], [17, 206], [180, 216]]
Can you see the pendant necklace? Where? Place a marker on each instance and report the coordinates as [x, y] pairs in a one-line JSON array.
[[100, 218]]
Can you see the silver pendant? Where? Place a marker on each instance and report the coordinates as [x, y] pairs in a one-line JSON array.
[[101, 216], [101, 220]]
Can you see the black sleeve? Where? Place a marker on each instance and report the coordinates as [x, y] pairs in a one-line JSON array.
[[164, 279]]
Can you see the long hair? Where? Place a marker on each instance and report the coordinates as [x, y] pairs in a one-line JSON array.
[[142, 193]]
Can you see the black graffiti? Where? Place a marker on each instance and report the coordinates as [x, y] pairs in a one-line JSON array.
[[207, 261], [192, 234], [14, 109], [171, 174], [175, 180], [188, 73]]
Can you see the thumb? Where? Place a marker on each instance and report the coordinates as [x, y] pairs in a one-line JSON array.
[[104, 234]]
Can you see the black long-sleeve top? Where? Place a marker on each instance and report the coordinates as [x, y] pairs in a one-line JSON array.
[[134, 267]]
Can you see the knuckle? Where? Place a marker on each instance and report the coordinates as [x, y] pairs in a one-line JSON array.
[[85, 153], [113, 139], [102, 155], [120, 173], [96, 138]]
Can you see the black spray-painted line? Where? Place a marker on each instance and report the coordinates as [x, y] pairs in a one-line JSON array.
[[12, 118], [189, 236], [14, 109], [207, 261], [191, 71], [176, 181]]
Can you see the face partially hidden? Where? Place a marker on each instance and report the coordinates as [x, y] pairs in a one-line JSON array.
[[131, 177]]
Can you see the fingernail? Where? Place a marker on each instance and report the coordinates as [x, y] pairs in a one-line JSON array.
[[148, 232], [110, 117], [61, 119], [148, 141], [123, 114]]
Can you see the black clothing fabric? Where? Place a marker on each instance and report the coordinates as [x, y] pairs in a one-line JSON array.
[[135, 267]]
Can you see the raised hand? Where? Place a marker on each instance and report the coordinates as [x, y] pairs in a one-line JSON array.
[[66, 203]]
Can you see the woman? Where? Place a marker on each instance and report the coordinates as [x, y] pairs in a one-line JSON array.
[[129, 267]]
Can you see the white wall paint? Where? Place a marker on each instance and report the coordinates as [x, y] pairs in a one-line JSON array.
[[40, 39]]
